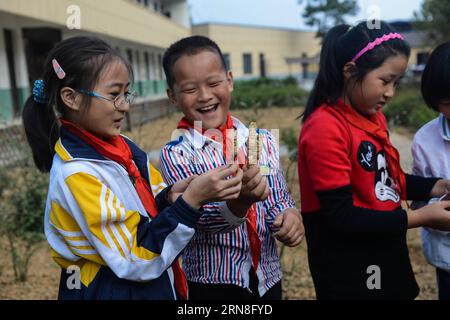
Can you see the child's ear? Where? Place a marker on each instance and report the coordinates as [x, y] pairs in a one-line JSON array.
[[230, 80], [349, 70], [171, 96], [69, 97]]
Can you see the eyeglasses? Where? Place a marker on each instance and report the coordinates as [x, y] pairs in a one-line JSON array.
[[119, 101]]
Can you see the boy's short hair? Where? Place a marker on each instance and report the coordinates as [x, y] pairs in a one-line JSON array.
[[188, 46], [436, 77]]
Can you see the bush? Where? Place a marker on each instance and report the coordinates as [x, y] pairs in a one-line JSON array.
[[22, 214], [408, 109], [265, 93]]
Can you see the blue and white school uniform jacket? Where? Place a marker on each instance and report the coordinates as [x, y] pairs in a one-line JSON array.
[[96, 223]]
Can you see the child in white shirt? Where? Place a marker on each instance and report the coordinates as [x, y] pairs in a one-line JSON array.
[[431, 154]]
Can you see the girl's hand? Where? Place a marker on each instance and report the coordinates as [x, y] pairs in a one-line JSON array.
[[214, 186], [436, 216], [178, 188], [440, 188]]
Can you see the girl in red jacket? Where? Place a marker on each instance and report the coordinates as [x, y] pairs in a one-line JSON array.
[[350, 175]]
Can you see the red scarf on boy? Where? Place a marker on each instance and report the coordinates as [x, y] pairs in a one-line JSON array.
[[255, 242], [119, 151], [375, 128]]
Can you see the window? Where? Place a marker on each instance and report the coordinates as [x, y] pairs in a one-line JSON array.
[[138, 66], [153, 64], [160, 73], [247, 63], [130, 56], [147, 65], [226, 58], [262, 65]]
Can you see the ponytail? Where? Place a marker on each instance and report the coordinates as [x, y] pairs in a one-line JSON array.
[[42, 132], [329, 82]]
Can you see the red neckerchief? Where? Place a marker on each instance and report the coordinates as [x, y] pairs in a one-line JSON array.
[[118, 150], [375, 127], [255, 242], [186, 124]]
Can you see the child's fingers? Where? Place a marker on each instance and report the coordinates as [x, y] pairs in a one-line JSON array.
[[266, 193], [251, 173], [189, 179], [259, 190], [445, 204], [236, 180], [296, 239], [254, 182], [181, 185], [278, 221], [231, 193], [226, 171], [285, 232]]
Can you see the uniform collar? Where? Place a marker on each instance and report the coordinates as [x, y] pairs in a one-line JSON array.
[[70, 147], [444, 127]]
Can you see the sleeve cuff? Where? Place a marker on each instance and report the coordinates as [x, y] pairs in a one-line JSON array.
[[229, 216], [161, 199], [185, 213], [281, 206], [419, 188]]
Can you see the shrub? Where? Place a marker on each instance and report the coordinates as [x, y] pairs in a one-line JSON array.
[[22, 214], [265, 93], [408, 109]]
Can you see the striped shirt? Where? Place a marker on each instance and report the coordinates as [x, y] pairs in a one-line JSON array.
[[219, 252]]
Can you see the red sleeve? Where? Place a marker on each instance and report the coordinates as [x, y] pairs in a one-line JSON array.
[[327, 151]]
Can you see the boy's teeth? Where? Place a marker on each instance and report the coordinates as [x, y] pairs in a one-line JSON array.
[[208, 108]]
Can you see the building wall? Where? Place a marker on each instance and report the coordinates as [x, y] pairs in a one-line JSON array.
[[179, 12], [413, 59], [121, 19], [275, 44], [134, 30]]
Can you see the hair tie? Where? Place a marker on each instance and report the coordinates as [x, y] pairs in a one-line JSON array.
[[377, 42], [38, 92]]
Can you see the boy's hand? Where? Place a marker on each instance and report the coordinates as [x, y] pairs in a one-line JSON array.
[[291, 230], [254, 185], [254, 189]]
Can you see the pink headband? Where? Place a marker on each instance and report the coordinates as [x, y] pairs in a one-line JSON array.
[[377, 42]]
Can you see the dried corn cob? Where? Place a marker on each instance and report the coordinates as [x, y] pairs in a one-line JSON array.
[[253, 145]]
